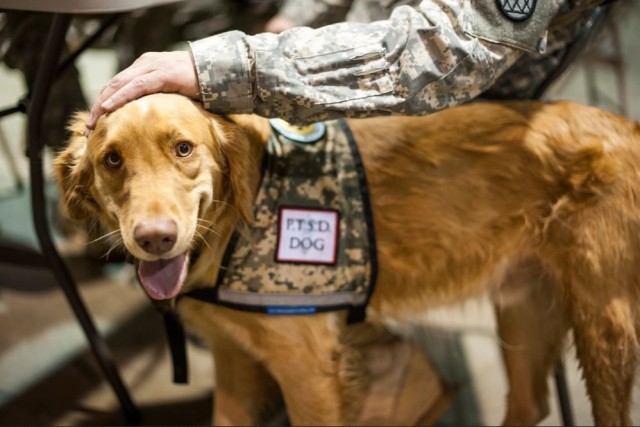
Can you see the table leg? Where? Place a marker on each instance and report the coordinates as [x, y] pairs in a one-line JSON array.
[[46, 74]]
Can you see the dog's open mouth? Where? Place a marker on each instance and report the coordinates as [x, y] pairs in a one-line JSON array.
[[163, 278]]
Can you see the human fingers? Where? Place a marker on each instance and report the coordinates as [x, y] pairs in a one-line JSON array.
[[151, 73], [151, 82], [135, 71]]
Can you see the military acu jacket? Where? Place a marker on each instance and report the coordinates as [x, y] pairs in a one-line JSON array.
[[437, 54]]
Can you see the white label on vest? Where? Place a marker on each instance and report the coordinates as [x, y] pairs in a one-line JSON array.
[[308, 235]]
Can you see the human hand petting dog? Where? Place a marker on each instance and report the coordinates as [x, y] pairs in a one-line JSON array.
[[151, 73]]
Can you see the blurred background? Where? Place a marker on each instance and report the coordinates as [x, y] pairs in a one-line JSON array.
[[47, 374]]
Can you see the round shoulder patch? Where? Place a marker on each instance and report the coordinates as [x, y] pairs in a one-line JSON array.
[[304, 134], [517, 10]]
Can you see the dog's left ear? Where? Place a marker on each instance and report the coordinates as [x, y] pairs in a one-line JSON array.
[[73, 173], [240, 167]]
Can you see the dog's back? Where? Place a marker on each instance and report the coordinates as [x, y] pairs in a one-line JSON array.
[[461, 195]]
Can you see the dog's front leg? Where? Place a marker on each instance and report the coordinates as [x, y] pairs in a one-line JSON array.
[[245, 393], [302, 354]]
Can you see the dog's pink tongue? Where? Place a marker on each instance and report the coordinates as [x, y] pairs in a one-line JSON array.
[[162, 279]]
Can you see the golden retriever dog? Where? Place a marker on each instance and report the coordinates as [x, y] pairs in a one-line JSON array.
[[535, 203]]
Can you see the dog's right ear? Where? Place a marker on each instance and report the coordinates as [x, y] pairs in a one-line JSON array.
[[74, 174]]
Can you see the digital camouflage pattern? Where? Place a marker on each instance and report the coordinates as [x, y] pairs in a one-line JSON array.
[[318, 175], [420, 60]]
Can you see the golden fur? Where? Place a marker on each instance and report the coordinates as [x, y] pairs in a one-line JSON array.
[[536, 203]]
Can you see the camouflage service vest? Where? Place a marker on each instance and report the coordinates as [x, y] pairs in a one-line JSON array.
[[312, 246]]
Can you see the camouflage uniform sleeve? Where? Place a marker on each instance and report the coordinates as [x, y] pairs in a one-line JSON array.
[[418, 61], [315, 13]]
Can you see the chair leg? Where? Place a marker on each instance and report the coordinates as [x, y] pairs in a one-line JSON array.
[[564, 399], [44, 79]]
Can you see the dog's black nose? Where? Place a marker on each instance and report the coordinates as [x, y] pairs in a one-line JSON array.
[[156, 236]]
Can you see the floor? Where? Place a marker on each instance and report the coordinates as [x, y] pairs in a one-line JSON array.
[[48, 376]]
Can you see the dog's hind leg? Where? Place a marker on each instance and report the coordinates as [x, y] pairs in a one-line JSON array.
[[607, 348], [594, 255], [531, 326], [245, 394]]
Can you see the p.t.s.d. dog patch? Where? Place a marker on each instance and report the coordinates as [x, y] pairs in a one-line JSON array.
[[308, 235]]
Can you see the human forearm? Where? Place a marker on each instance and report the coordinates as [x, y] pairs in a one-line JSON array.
[[414, 63], [442, 53]]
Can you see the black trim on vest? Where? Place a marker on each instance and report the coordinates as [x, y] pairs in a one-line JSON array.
[[358, 314]]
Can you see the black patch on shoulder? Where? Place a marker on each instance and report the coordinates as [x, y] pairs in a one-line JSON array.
[[517, 10]]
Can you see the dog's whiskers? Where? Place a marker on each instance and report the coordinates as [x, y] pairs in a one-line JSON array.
[[201, 237], [224, 203], [104, 236], [209, 226], [202, 221], [119, 242]]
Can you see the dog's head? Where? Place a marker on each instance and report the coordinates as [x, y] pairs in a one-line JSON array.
[[159, 171]]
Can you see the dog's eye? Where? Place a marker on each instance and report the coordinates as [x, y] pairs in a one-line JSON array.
[[113, 159], [183, 149]]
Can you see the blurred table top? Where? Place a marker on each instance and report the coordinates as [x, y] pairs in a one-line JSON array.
[[82, 6]]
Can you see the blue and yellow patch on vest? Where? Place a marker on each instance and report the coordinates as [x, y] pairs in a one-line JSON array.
[[306, 134], [312, 245]]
